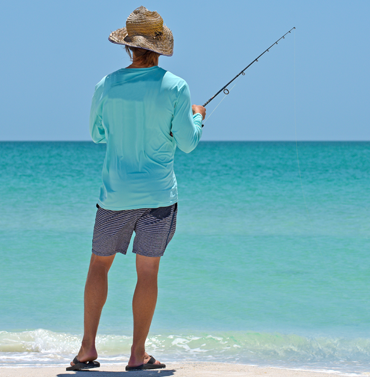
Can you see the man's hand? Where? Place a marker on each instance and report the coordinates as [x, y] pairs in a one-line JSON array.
[[199, 109]]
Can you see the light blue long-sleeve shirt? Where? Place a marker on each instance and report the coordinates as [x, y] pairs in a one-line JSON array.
[[134, 110]]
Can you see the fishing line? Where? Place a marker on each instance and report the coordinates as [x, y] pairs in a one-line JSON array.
[[295, 131], [219, 104], [227, 91]]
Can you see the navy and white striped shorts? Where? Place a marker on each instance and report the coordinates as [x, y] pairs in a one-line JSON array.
[[154, 229]]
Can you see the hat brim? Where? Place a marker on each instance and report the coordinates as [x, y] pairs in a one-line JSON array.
[[162, 45]]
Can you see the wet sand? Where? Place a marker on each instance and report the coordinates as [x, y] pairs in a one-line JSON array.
[[173, 369]]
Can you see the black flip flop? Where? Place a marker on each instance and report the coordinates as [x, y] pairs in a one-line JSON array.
[[149, 365], [78, 365]]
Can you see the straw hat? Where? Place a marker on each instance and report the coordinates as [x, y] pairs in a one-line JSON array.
[[145, 29]]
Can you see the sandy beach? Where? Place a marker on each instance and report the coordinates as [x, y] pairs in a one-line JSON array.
[[173, 369]]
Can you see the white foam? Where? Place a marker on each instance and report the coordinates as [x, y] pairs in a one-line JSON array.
[[44, 347]]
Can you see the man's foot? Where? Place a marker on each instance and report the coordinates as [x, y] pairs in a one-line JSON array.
[[136, 361], [87, 365], [86, 354], [149, 363]]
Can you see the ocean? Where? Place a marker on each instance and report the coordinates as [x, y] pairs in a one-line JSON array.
[[269, 266]]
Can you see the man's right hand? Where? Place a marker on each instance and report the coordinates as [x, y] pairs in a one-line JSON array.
[[199, 109]]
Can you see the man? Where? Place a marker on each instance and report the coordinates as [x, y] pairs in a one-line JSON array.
[[142, 112]]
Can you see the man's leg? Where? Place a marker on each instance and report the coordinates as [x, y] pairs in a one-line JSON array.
[[143, 305], [96, 290]]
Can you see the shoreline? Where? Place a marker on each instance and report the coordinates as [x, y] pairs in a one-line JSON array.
[[186, 369]]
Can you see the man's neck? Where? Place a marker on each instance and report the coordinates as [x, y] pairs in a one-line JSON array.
[[137, 64], [140, 66]]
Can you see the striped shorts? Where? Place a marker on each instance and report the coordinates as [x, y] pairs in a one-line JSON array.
[[154, 229]]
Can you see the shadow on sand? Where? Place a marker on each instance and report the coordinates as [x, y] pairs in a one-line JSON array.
[[139, 373]]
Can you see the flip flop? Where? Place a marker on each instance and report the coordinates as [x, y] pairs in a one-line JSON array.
[[149, 365], [78, 365]]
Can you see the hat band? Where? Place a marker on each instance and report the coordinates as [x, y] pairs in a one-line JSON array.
[[145, 30]]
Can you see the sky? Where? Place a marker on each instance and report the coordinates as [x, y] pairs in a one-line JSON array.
[[313, 85]]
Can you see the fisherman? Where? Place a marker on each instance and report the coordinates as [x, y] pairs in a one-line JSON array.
[[142, 112]]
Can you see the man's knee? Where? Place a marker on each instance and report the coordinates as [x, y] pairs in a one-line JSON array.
[[147, 266], [98, 261]]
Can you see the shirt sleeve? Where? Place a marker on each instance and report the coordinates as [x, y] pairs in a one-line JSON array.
[[186, 127], [97, 130]]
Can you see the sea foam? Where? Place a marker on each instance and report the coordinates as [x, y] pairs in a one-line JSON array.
[[44, 347]]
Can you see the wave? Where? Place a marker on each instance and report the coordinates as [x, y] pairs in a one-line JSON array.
[[44, 347]]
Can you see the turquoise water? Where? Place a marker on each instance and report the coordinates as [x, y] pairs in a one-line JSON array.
[[264, 268]]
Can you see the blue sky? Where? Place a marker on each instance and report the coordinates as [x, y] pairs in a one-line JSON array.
[[54, 52]]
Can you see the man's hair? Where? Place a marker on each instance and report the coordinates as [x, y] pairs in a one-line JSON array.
[[143, 56]]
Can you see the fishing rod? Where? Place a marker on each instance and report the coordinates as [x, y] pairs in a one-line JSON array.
[[226, 91]]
